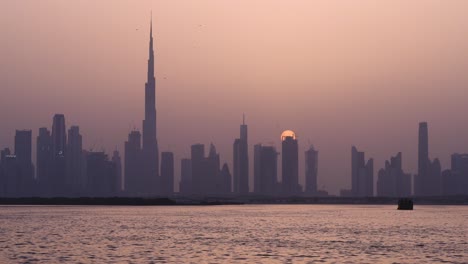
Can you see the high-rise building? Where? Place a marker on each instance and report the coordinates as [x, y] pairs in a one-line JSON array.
[[76, 180], [455, 180], [205, 170], [199, 179], [290, 164], [225, 180], [265, 170], [392, 181], [420, 186], [133, 165], [185, 185], [44, 161], [59, 137], [212, 169], [428, 182], [167, 173], [3, 154], [256, 163], [311, 162], [58, 168], [118, 171], [23, 152], [10, 172], [241, 162], [101, 174], [434, 181], [362, 174], [150, 152]]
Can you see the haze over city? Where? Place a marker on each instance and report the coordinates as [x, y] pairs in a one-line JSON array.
[[337, 73]]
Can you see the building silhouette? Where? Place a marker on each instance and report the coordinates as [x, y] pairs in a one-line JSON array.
[[206, 173], [24, 180], [225, 179], [311, 170], [167, 173], [392, 181], [118, 171], [76, 179], [101, 175], [241, 162], [265, 170], [10, 172], [133, 165], [150, 151], [362, 174], [199, 175], [421, 182], [434, 182], [428, 181], [3, 154], [58, 168], [185, 185], [290, 165], [455, 180], [212, 171], [44, 161]]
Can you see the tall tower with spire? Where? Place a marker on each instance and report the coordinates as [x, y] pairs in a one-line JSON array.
[[150, 143], [241, 161]]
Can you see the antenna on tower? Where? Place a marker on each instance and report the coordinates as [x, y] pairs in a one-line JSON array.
[[243, 118]]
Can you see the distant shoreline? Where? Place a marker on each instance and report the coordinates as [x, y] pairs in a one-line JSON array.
[[207, 201]]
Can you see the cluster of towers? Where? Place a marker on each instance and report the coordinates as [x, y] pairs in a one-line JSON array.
[[63, 168], [431, 180], [202, 174], [392, 181]]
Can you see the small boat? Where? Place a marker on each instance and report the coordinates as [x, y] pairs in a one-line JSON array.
[[405, 204]]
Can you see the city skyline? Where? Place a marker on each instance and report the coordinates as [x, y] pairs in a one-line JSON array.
[[263, 127]]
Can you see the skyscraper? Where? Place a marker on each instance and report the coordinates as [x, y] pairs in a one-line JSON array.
[[205, 170], [455, 182], [428, 182], [290, 164], [59, 137], [212, 169], [133, 165], [23, 152], [75, 180], [241, 162], [362, 174], [420, 187], [199, 179], [58, 168], [225, 180], [392, 181], [118, 171], [311, 161], [44, 158], [10, 172], [150, 144], [265, 170], [167, 173], [101, 175], [434, 181], [185, 186]]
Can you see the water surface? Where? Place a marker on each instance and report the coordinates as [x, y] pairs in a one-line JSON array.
[[233, 234]]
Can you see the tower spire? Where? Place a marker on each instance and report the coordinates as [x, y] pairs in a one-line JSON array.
[[150, 143]]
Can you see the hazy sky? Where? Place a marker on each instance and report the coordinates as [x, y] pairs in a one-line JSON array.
[[338, 73]]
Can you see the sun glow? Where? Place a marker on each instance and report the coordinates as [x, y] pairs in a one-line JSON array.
[[288, 133]]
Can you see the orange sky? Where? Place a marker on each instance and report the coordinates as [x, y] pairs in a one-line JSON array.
[[338, 73]]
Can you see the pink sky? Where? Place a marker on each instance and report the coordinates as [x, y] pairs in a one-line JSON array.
[[338, 73]]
